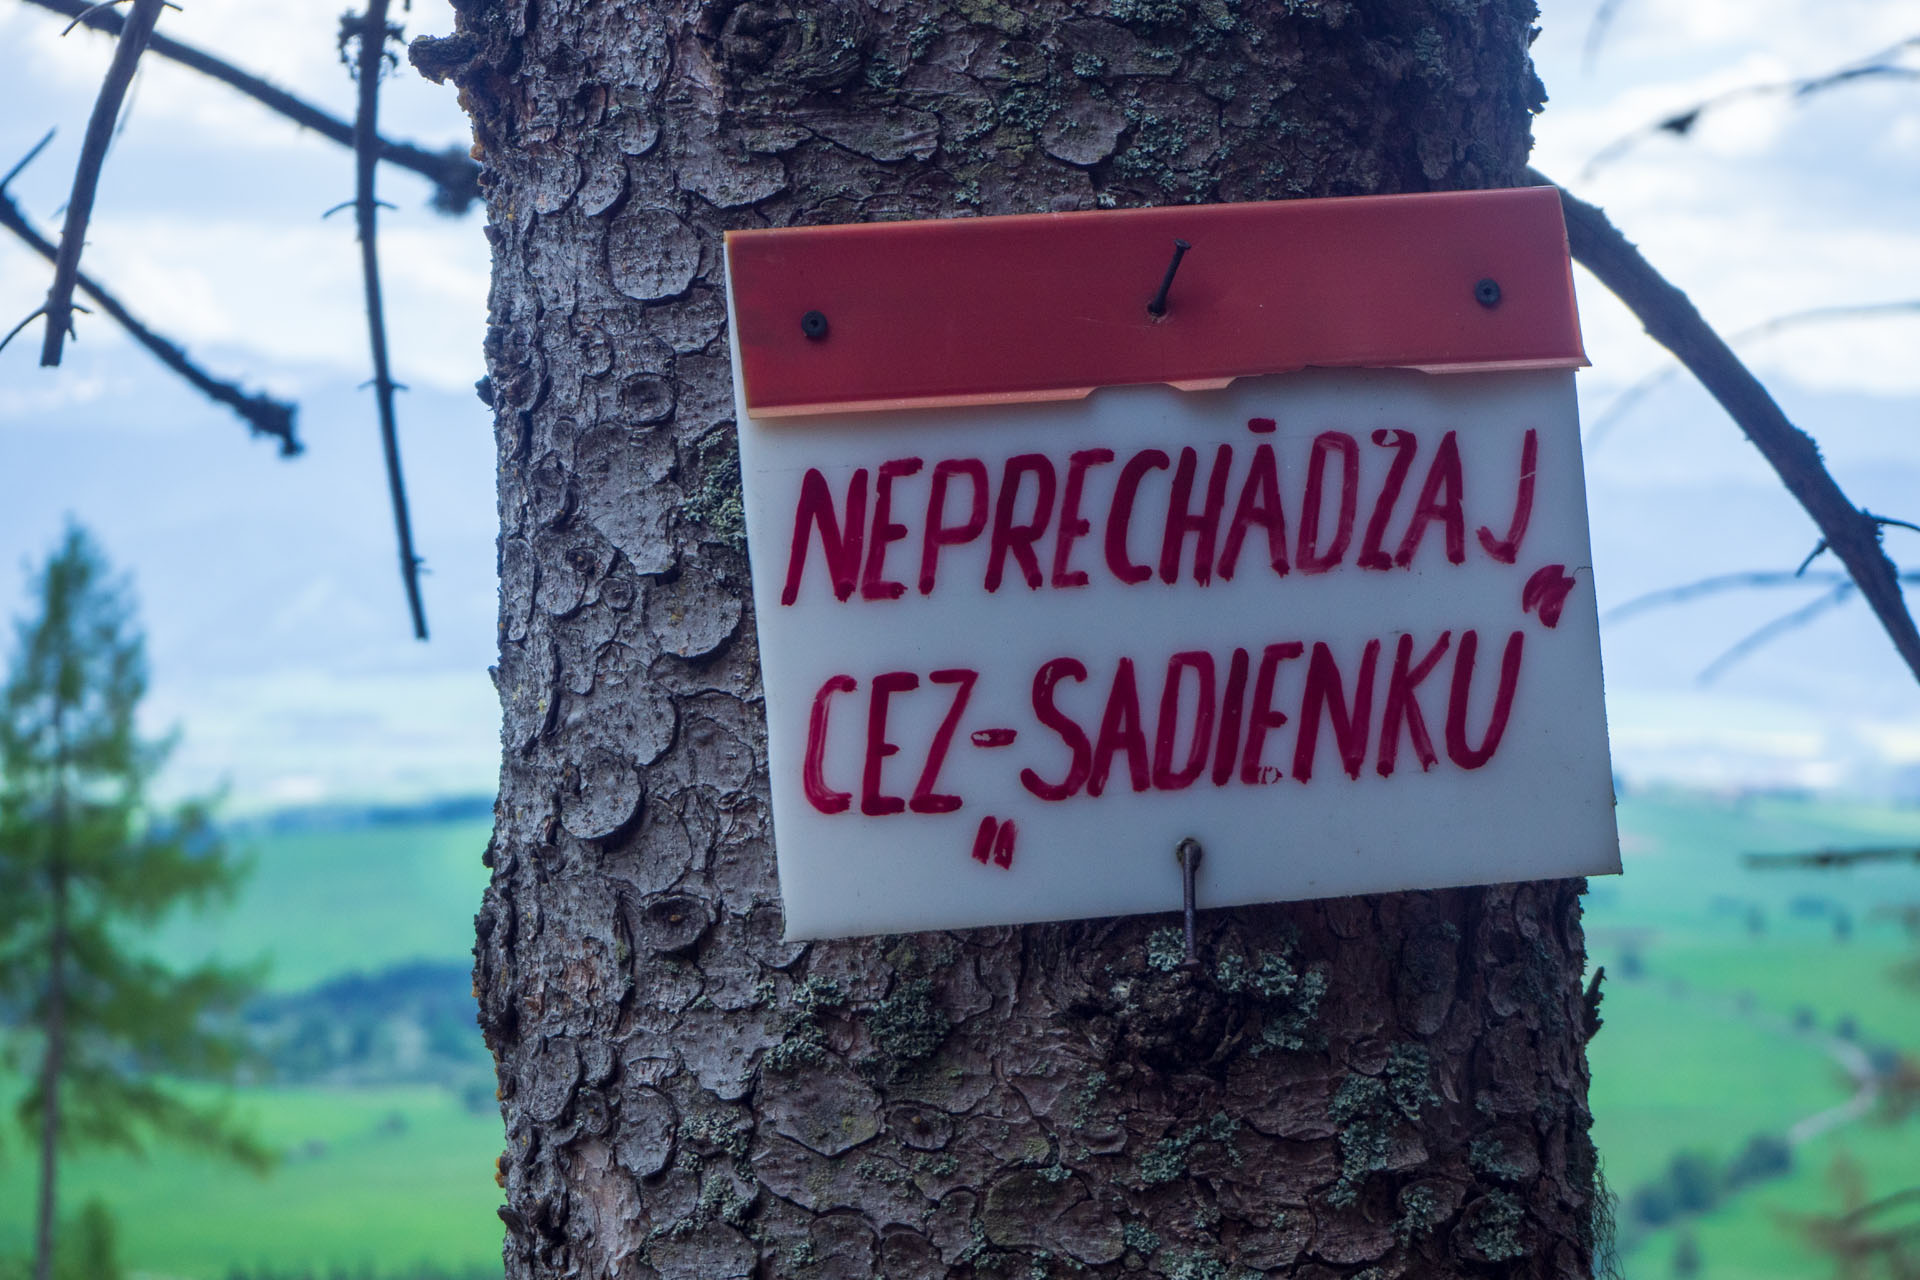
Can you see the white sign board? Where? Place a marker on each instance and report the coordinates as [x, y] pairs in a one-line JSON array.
[[1337, 626]]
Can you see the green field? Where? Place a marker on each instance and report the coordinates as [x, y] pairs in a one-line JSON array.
[[384, 1178], [1699, 1052], [1694, 1057], [325, 901]]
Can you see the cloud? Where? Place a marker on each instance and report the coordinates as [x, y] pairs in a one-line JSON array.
[[290, 292], [1768, 206], [307, 735], [291, 46]]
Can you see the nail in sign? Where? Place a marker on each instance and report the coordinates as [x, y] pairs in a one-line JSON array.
[[1019, 638]]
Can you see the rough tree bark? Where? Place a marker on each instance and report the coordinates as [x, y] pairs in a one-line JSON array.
[[1384, 1086]]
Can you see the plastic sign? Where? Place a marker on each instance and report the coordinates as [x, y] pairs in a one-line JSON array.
[[1337, 625]]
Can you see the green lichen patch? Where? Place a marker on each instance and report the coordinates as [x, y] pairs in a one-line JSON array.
[[1409, 1077], [1493, 1226], [1361, 1109], [944, 1165], [723, 1198], [1087, 1097], [803, 1040], [1332, 12], [1151, 13], [1183, 1016], [1420, 1212], [1288, 999], [720, 1201], [993, 13], [1028, 107], [1089, 65], [979, 1252], [907, 1025], [1152, 154], [1167, 1159], [1139, 1236], [1199, 1265], [714, 1133], [874, 1169], [1541, 987], [716, 503], [1366, 1109], [1488, 1155], [1166, 949]]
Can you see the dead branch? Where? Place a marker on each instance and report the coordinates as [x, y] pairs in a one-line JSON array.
[[456, 178], [264, 415], [1597, 32], [1831, 858], [1717, 584], [1671, 319], [134, 34], [1840, 589], [1759, 639], [373, 35], [1621, 404], [1875, 66]]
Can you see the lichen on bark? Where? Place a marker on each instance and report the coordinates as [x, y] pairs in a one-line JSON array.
[[1388, 1086]]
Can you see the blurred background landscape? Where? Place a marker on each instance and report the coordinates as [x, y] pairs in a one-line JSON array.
[[1756, 1062], [1757, 1071]]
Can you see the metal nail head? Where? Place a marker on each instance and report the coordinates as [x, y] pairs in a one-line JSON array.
[[1158, 307], [814, 325], [1486, 292], [1187, 854]]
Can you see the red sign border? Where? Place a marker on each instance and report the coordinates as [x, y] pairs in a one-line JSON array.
[[972, 311]]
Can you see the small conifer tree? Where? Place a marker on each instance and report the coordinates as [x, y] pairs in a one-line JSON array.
[[87, 861]]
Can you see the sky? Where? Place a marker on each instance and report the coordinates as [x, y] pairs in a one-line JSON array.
[[269, 590]]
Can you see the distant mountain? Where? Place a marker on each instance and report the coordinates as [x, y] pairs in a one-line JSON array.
[[350, 817]]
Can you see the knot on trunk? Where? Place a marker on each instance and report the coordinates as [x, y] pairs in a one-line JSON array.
[[769, 43], [1176, 1016]]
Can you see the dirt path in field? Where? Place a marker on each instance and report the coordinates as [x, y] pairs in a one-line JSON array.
[[1848, 1056]]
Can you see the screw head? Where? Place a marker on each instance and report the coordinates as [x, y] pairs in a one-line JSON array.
[[814, 325], [1487, 293]]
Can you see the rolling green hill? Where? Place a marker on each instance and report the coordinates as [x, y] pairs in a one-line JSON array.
[[1727, 991], [336, 896]]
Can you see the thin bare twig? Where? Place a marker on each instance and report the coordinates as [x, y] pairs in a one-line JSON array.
[[1731, 582], [92, 9], [1618, 407], [134, 34], [1597, 32], [1831, 858], [366, 157], [1821, 547], [1875, 66], [14, 332], [1671, 319], [264, 415], [454, 175], [1713, 586], [1772, 631]]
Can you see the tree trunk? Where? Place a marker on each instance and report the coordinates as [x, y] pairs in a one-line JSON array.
[[1379, 1086], [53, 1063]]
